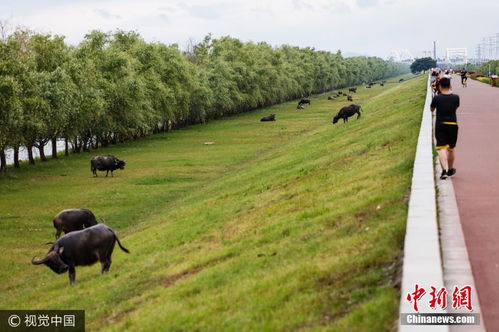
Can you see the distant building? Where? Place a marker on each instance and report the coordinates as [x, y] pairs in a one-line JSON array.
[[456, 55]]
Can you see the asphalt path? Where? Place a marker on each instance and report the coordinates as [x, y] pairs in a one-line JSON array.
[[476, 186]]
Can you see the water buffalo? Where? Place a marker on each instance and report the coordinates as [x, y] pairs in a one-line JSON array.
[[304, 101], [106, 163], [270, 117], [73, 220], [347, 112], [354, 90], [349, 98], [401, 80], [382, 84], [330, 97], [79, 248]]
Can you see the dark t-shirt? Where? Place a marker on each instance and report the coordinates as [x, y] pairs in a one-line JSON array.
[[446, 106]]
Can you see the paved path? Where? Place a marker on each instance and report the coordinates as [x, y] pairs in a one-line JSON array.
[[476, 186]]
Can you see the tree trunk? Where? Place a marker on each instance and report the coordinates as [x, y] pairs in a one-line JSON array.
[[30, 154], [16, 157], [66, 147], [42, 153], [96, 143], [3, 161], [54, 148], [85, 145]]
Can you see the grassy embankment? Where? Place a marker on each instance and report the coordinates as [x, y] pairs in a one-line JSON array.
[[293, 224]]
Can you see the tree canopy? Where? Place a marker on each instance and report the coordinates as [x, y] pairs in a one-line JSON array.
[[423, 64], [113, 87]]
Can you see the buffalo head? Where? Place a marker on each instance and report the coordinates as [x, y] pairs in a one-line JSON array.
[[53, 260], [120, 164], [336, 118]]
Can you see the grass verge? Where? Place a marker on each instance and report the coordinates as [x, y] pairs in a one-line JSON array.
[[294, 224]]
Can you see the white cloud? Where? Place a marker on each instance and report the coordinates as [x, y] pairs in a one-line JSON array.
[[363, 26]]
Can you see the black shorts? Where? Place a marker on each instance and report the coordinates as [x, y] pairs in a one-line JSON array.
[[446, 135]]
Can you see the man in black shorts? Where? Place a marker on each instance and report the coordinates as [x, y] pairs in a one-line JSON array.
[[446, 104]]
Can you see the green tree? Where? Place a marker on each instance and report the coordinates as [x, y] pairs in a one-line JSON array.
[[423, 64]]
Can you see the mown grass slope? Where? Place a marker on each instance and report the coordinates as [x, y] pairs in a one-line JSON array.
[[290, 225]]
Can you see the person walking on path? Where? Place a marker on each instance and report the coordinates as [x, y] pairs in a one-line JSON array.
[[464, 78], [446, 104]]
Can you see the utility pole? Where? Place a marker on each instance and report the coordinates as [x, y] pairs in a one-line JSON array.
[[434, 50]]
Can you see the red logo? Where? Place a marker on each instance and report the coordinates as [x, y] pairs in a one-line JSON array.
[[461, 297], [415, 296]]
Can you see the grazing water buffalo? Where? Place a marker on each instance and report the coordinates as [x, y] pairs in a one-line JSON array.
[[304, 101], [79, 248], [270, 117], [73, 220], [401, 80], [106, 163], [347, 112], [349, 98], [354, 90]]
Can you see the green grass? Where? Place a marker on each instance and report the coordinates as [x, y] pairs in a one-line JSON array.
[[289, 225]]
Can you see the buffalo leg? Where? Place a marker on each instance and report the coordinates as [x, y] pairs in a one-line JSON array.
[[105, 266], [358, 116], [72, 275], [107, 172], [58, 234]]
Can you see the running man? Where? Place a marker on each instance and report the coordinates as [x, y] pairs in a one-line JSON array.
[[464, 78], [446, 104]]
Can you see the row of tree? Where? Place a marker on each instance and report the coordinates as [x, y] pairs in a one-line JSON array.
[[115, 87]]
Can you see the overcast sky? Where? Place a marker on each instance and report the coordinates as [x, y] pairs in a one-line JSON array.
[[371, 27]]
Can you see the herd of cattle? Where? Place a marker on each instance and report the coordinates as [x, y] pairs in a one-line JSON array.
[[85, 241], [344, 113]]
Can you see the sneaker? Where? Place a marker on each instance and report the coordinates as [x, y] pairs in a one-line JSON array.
[[451, 172], [443, 176]]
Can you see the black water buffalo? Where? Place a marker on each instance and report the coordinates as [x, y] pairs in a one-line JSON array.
[[401, 80], [347, 112], [304, 101], [382, 84], [270, 117], [79, 248], [73, 220], [106, 163], [354, 90], [349, 98]]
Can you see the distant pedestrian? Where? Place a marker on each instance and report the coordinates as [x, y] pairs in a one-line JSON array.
[[446, 104], [436, 85], [464, 78]]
